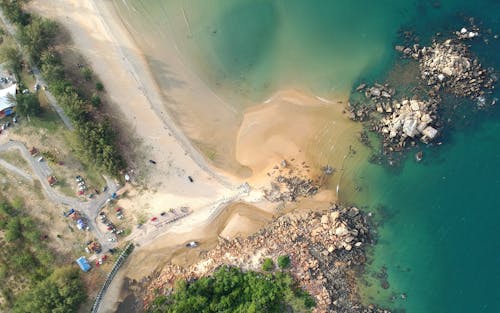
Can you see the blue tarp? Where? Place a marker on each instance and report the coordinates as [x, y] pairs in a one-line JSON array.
[[80, 224], [84, 265]]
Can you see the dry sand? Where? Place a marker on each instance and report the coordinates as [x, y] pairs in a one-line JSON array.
[[292, 124], [131, 89]]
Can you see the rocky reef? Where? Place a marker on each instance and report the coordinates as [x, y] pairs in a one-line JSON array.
[[325, 249], [446, 66], [291, 181]]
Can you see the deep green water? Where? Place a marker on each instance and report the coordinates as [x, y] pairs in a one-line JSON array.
[[440, 235]]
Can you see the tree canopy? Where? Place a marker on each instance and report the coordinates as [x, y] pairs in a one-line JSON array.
[[28, 104], [231, 290], [12, 58], [61, 292]]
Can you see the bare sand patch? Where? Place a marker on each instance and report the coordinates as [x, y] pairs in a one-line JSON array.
[[294, 125]]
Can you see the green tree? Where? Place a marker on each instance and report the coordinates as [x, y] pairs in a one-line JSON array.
[[99, 86], [27, 104], [283, 261], [12, 58], [61, 292], [96, 100], [14, 12], [51, 67], [267, 265], [231, 290], [37, 36]]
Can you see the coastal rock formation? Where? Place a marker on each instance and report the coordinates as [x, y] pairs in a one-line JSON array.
[[408, 119], [449, 66], [323, 248], [444, 66], [291, 182]]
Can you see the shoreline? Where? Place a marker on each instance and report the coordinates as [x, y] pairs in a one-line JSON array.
[[130, 85]]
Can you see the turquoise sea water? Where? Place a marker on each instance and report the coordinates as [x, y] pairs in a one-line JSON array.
[[245, 50], [439, 238], [440, 218]]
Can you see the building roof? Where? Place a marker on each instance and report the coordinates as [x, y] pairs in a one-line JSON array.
[[84, 265], [5, 103]]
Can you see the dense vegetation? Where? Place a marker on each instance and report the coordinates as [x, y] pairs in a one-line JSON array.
[[30, 280], [96, 138], [231, 290]]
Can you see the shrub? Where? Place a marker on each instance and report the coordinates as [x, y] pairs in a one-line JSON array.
[[268, 265], [99, 86], [283, 261], [87, 73], [96, 100]]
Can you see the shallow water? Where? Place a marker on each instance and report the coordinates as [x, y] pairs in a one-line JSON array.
[[438, 239], [246, 49]]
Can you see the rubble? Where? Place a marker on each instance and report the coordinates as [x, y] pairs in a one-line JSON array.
[[323, 248], [292, 182]]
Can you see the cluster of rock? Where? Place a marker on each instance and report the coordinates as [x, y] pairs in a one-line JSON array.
[[291, 182], [444, 66], [449, 66], [285, 188], [401, 119], [407, 119], [323, 248]]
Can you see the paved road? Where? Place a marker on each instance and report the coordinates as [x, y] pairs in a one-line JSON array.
[[39, 80], [90, 209]]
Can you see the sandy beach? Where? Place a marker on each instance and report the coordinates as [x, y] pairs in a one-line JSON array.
[[132, 91], [280, 128]]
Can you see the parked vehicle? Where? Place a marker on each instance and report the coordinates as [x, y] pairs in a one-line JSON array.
[[192, 244]]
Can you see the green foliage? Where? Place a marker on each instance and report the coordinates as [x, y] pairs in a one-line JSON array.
[[37, 36], [28, 104], [87, 73], [13, 229], [13, 10], [12, 58], [25, 258], [283, 261], [51, 66], [267, 265], [231, 290], [96, 139], [96, 100], [99, 86], [61, 292]]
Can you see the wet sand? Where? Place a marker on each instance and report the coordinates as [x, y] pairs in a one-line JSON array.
[[292, 124]]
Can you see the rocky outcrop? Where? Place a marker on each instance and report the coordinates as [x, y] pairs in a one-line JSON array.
[[323, 248], [444, 66], [408, 119], [292, 182], [449, 66]]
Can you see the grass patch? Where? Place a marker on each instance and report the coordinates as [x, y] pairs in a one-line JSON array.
[[64, 187], [15, 158]]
